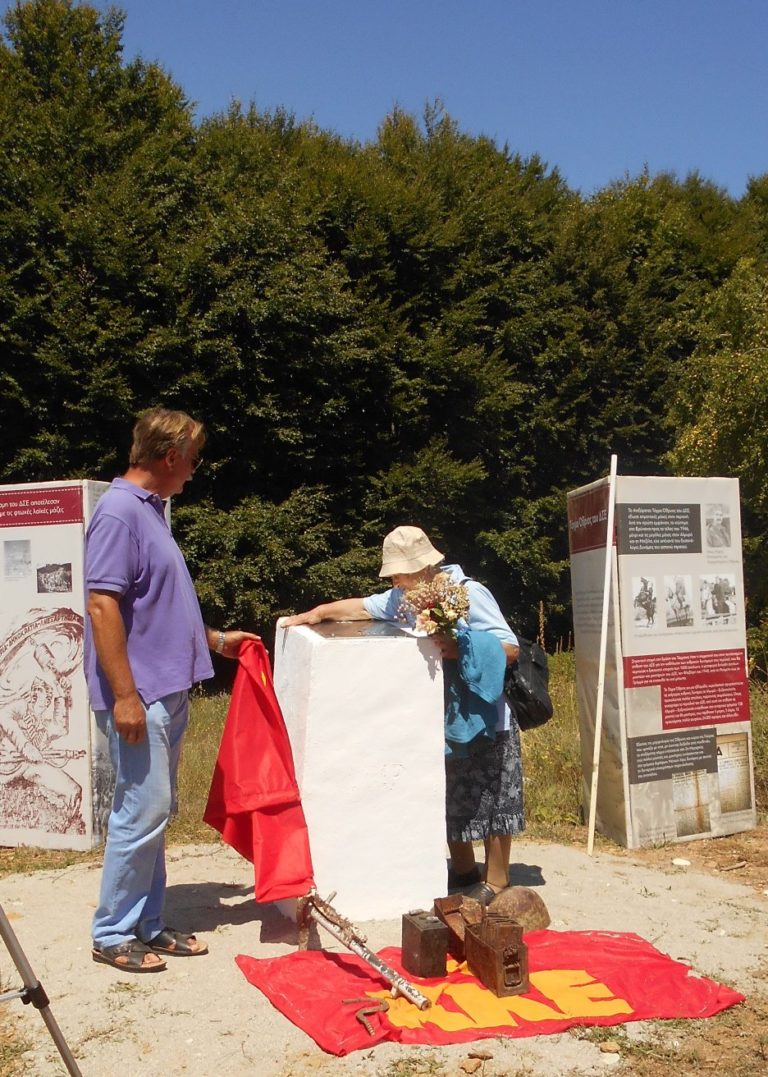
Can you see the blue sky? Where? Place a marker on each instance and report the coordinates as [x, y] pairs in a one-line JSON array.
[[598, 88]]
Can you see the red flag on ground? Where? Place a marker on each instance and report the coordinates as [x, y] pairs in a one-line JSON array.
[[254, 800], [577, 978]]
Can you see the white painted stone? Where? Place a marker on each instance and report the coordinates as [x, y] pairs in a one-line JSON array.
[[363, 705]]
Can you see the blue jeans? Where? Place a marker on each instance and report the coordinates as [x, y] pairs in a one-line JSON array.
[[133, 877]]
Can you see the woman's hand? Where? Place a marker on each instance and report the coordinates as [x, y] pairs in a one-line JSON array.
[[309, 617], [512, 652], [448, 646], [344, 609]]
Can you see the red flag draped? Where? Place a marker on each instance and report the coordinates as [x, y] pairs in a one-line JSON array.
[[254, 800], [577, 978]]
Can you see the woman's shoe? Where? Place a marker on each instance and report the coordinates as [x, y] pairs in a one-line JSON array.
[[482, 892]]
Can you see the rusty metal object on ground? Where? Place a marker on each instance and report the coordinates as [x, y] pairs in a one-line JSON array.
[[522, 904], [369, 1006], [497, 955], [312, 907], [424, 943], [456, 911], [303, 921]]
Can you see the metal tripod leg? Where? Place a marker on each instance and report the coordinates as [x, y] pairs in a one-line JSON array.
[[33, 992]]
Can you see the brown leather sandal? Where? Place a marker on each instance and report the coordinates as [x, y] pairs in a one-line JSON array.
[[173, 943], [134, 950]]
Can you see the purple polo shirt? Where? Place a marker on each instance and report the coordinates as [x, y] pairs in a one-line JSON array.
[[130, 551]]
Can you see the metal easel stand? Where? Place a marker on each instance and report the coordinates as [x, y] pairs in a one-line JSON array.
[[34, 992]]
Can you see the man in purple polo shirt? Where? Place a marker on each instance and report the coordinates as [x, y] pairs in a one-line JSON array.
[[145, 646]]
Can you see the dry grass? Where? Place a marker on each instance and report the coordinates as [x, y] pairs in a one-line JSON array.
[[758, 699], [13, 1043], [552, 761], [733, 1043], [201, 746]]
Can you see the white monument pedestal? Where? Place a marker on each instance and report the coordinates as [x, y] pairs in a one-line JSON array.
[[363, 705]]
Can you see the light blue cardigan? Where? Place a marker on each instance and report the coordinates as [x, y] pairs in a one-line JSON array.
[[472, 688]]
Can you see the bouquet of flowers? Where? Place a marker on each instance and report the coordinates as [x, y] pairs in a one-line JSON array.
[[436, 605]]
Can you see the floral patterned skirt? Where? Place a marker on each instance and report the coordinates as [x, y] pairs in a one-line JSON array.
[[484, 791]]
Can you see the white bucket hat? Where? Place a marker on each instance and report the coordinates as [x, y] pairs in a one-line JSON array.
[[407, 549]]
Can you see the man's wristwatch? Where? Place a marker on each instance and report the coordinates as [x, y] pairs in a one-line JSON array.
[[220, 643]]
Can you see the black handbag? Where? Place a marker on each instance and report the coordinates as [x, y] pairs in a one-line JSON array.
[[526, 686]]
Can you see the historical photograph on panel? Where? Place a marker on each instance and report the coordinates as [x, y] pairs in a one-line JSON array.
[[717, 527], [644, 599], [52, 579], [17, 559], [678, 601], [103, 788], [690, 798], [733, 773], [39, 656], [718, 600]]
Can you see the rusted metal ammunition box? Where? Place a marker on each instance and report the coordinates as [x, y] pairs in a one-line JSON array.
[[497, 955], [456, 911], [424, 944]]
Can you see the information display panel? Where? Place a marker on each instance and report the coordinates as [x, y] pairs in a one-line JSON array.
[[55, 777], [677, 718]]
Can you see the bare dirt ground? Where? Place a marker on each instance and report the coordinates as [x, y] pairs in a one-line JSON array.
[[201, 1017]]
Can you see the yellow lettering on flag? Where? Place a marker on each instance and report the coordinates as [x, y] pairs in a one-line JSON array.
[[570, 993]]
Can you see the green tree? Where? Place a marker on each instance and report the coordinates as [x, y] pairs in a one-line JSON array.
[[94, 189], [721, 410]]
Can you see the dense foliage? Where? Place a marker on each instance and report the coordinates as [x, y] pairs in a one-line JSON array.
[[428, 328]]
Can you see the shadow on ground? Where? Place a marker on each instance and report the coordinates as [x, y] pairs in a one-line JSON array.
[[208, 906]]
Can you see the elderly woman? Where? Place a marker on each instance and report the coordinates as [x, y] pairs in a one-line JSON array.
[[484, 784]]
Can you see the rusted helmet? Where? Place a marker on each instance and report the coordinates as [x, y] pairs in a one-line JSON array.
[[522, 904]]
